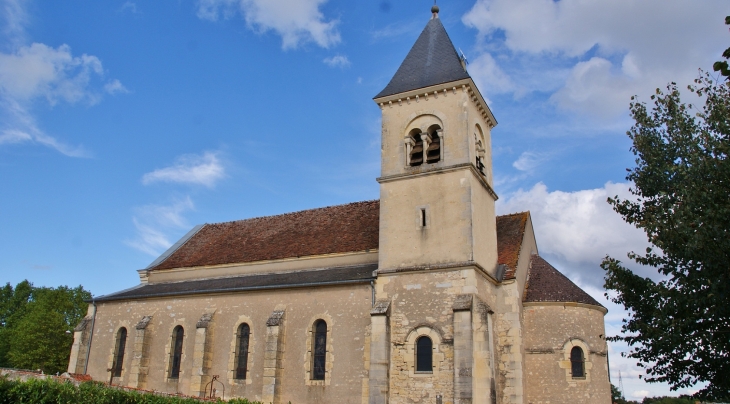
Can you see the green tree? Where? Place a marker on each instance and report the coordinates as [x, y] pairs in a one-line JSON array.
[[36, 325], [678, 328], [722, 65], [13, 302]]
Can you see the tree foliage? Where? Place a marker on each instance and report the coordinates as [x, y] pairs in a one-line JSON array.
[[679, 327], [36, 325], [722, 66]]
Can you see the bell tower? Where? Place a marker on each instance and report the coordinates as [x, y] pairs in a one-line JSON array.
[[436, 194]]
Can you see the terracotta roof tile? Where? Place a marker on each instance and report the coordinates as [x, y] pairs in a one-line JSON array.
[[547, 284], [510, 233], [335, 229]]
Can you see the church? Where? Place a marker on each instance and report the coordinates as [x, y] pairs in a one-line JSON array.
[[422, 296]]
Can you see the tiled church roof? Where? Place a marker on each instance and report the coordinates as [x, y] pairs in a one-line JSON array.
[[334, 229], [510, 232], [547, 284], [432, 60]]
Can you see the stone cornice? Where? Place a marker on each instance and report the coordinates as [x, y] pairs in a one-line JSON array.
[[568, 304], [441, 170], [465, 86]]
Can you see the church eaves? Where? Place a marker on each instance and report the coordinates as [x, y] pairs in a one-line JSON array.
[[432, 60]]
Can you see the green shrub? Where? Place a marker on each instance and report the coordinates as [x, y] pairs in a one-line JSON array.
[[49, 391]]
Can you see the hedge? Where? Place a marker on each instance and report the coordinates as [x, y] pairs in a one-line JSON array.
[[49, 391]]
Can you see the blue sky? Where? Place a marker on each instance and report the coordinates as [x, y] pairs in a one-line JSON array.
[[125, 123]]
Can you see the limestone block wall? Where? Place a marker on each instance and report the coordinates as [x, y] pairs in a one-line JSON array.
[[551, 330], [425, 303], [211, 347]]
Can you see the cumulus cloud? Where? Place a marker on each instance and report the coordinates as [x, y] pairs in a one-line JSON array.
[[296, 21], [578, 228], [612, 50], [205, 169], [38, 72], [337, 61], [155, 223]]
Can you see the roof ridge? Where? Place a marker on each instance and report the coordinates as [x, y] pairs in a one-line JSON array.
[[295, 212]]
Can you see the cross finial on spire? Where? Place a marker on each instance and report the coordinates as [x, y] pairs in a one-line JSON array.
[[434, 10]]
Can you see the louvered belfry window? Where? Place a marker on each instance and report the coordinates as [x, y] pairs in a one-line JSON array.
[[176, 351], [319, 346], [242, 351], [424, 354], [416, 156], [577, 362], [119, 352], [433, 153]]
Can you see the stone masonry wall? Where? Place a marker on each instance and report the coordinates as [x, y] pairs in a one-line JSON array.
[[345, 308], [550, 333]]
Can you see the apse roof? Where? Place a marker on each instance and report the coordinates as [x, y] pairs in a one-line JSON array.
[[432, 60], [547, 284]]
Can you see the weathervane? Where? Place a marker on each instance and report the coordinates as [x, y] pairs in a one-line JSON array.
[[435, 10]]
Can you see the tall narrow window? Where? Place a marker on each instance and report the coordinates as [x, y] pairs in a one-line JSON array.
[[242, 351], [433, 153], [176, 351], [424, 354], [319, 345], [416, 155], [119, 352], [576, 362], [423, 217]]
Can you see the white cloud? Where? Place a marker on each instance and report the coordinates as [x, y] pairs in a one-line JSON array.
[[337, 61], [528, 161], [14, 20], [154, 223], [488, 76], [640, 393], [29, 73], [42, 71], [205, 169], [130, 7], [612, 49], [578, 228], [296, 21], [114, 87]]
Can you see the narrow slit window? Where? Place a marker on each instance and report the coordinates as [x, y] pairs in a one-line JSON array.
[[424, 354], [319, 350], [176, 352], [433, 153], [416, 156], [577, 363], [423, 217], [244, 333], [119, 352]]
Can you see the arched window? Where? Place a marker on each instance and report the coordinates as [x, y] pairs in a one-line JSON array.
[[120, 345], [424, 354], [433, 152], [319, 349], [415, 154], [176, 351], [576, 362], [242, 351]]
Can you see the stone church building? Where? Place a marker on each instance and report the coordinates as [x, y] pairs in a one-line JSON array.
[[422, 296]]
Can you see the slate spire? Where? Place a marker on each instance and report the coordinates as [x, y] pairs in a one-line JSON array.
[[432, 60]]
